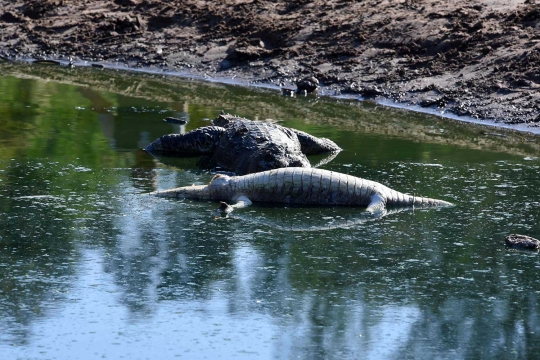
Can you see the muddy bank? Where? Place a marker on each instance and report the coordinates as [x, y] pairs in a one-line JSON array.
[[479, 60]]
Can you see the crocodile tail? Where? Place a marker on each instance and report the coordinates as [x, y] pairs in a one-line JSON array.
[[199, 141], [398, 199], [420, 201]]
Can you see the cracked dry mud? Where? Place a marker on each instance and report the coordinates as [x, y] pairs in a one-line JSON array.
[[479, 59]]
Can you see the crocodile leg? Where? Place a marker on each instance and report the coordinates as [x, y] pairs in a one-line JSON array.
[[312, 145], [241, 202], [377, 206]]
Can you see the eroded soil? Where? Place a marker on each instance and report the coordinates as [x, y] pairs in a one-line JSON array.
[[478, 59]]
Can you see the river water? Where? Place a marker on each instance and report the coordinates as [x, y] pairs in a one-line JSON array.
[[92, 267]]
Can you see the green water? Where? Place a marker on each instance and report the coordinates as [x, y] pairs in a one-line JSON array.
[[90, 267]]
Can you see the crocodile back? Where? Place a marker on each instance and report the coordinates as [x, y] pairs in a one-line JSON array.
[[253, 146]]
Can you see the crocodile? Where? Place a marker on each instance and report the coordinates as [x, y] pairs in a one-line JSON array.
[[301, 186], [244, 146]]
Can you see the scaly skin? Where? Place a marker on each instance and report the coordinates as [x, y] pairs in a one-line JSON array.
[[244, 146], [304, 186], [252, 146], [196, 142]]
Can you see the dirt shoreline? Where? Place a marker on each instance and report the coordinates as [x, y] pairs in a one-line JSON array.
[[478, 60]]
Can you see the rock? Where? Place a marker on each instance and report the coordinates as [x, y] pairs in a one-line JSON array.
[[46, 62], [11, 17], [287, 92], [176, 121], [245, 53], [428, 102], [308, 84], [127, 2], [372, 91], [522, 242]]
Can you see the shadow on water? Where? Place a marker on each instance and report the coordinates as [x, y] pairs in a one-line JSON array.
[[91, 265]]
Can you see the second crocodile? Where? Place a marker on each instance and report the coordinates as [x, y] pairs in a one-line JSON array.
[[302, 187], [244, 146]]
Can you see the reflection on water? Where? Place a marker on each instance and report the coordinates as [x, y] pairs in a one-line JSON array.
[[90, 266]]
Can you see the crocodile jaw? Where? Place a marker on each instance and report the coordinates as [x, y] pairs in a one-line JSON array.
[[196, 192]]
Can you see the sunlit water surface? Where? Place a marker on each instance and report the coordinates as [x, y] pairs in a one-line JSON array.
[[92, 267]]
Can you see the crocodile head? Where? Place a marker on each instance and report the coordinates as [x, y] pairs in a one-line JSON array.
[[217, 189]]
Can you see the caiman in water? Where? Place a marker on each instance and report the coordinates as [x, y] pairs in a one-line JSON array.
[[243, 146]]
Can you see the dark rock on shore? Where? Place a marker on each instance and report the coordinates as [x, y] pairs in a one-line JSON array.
[[308, 85]]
